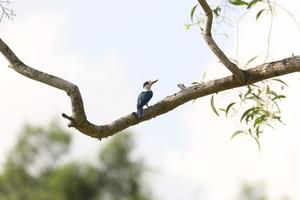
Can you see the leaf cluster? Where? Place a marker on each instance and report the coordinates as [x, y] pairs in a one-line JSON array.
[[219, 11], [196, 20], [248, 5], [257, 107], [252, 4]]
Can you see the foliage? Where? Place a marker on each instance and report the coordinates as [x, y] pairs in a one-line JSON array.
[[257, 106], [34, 169], [219, 10]]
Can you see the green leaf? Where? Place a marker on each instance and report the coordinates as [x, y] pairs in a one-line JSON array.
[[259, 120], [217, 11], [255, 96], [228, 108], [247, 112], [249, 61], [193, 11], [279, 97], [254, 112], [258, 131], [276, 117], [250, 131], [271, 92], [279, 80], [212, 104], [236, 133], [277, 106], [238, 2], [259, 13], [247, 93], [258, 143], [252, 3], [222, 109]]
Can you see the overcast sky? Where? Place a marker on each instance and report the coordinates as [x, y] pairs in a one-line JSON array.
[[109, 48]]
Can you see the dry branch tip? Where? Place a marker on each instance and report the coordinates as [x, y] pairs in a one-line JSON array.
[[72, 121]]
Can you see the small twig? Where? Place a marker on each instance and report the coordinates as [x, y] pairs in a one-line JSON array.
[[289, 13], [270, 31], [67, 117], [72, 121], [6, 12]]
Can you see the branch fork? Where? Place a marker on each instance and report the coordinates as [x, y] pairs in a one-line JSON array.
[[239, 74]]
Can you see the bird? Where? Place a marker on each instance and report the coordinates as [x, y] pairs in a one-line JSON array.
[[144, 97]]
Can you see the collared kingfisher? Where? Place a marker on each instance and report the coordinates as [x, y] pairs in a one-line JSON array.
[[144, 97]]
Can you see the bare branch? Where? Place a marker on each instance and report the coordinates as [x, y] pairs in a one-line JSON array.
[[71, 89], [79, 121], [235, 70]]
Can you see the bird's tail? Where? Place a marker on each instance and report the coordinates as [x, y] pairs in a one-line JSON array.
[[140, 112]]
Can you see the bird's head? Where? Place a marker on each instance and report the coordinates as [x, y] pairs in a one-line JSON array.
[[147, 85]]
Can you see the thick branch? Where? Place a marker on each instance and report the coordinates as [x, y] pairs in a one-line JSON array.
[[235, 70], [71, 89], [79, 121]]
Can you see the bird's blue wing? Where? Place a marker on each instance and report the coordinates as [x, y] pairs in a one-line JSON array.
[[144, 98]]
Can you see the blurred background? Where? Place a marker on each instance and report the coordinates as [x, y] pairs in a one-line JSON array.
[[109, 49]]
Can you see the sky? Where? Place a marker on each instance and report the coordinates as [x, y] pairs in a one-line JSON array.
[[109, 48]]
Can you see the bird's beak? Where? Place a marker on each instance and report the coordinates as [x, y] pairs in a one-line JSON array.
[[152, 82]]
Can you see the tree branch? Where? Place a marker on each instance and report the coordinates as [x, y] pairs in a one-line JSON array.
[[71, 89], [235, 70], [80, 122]]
